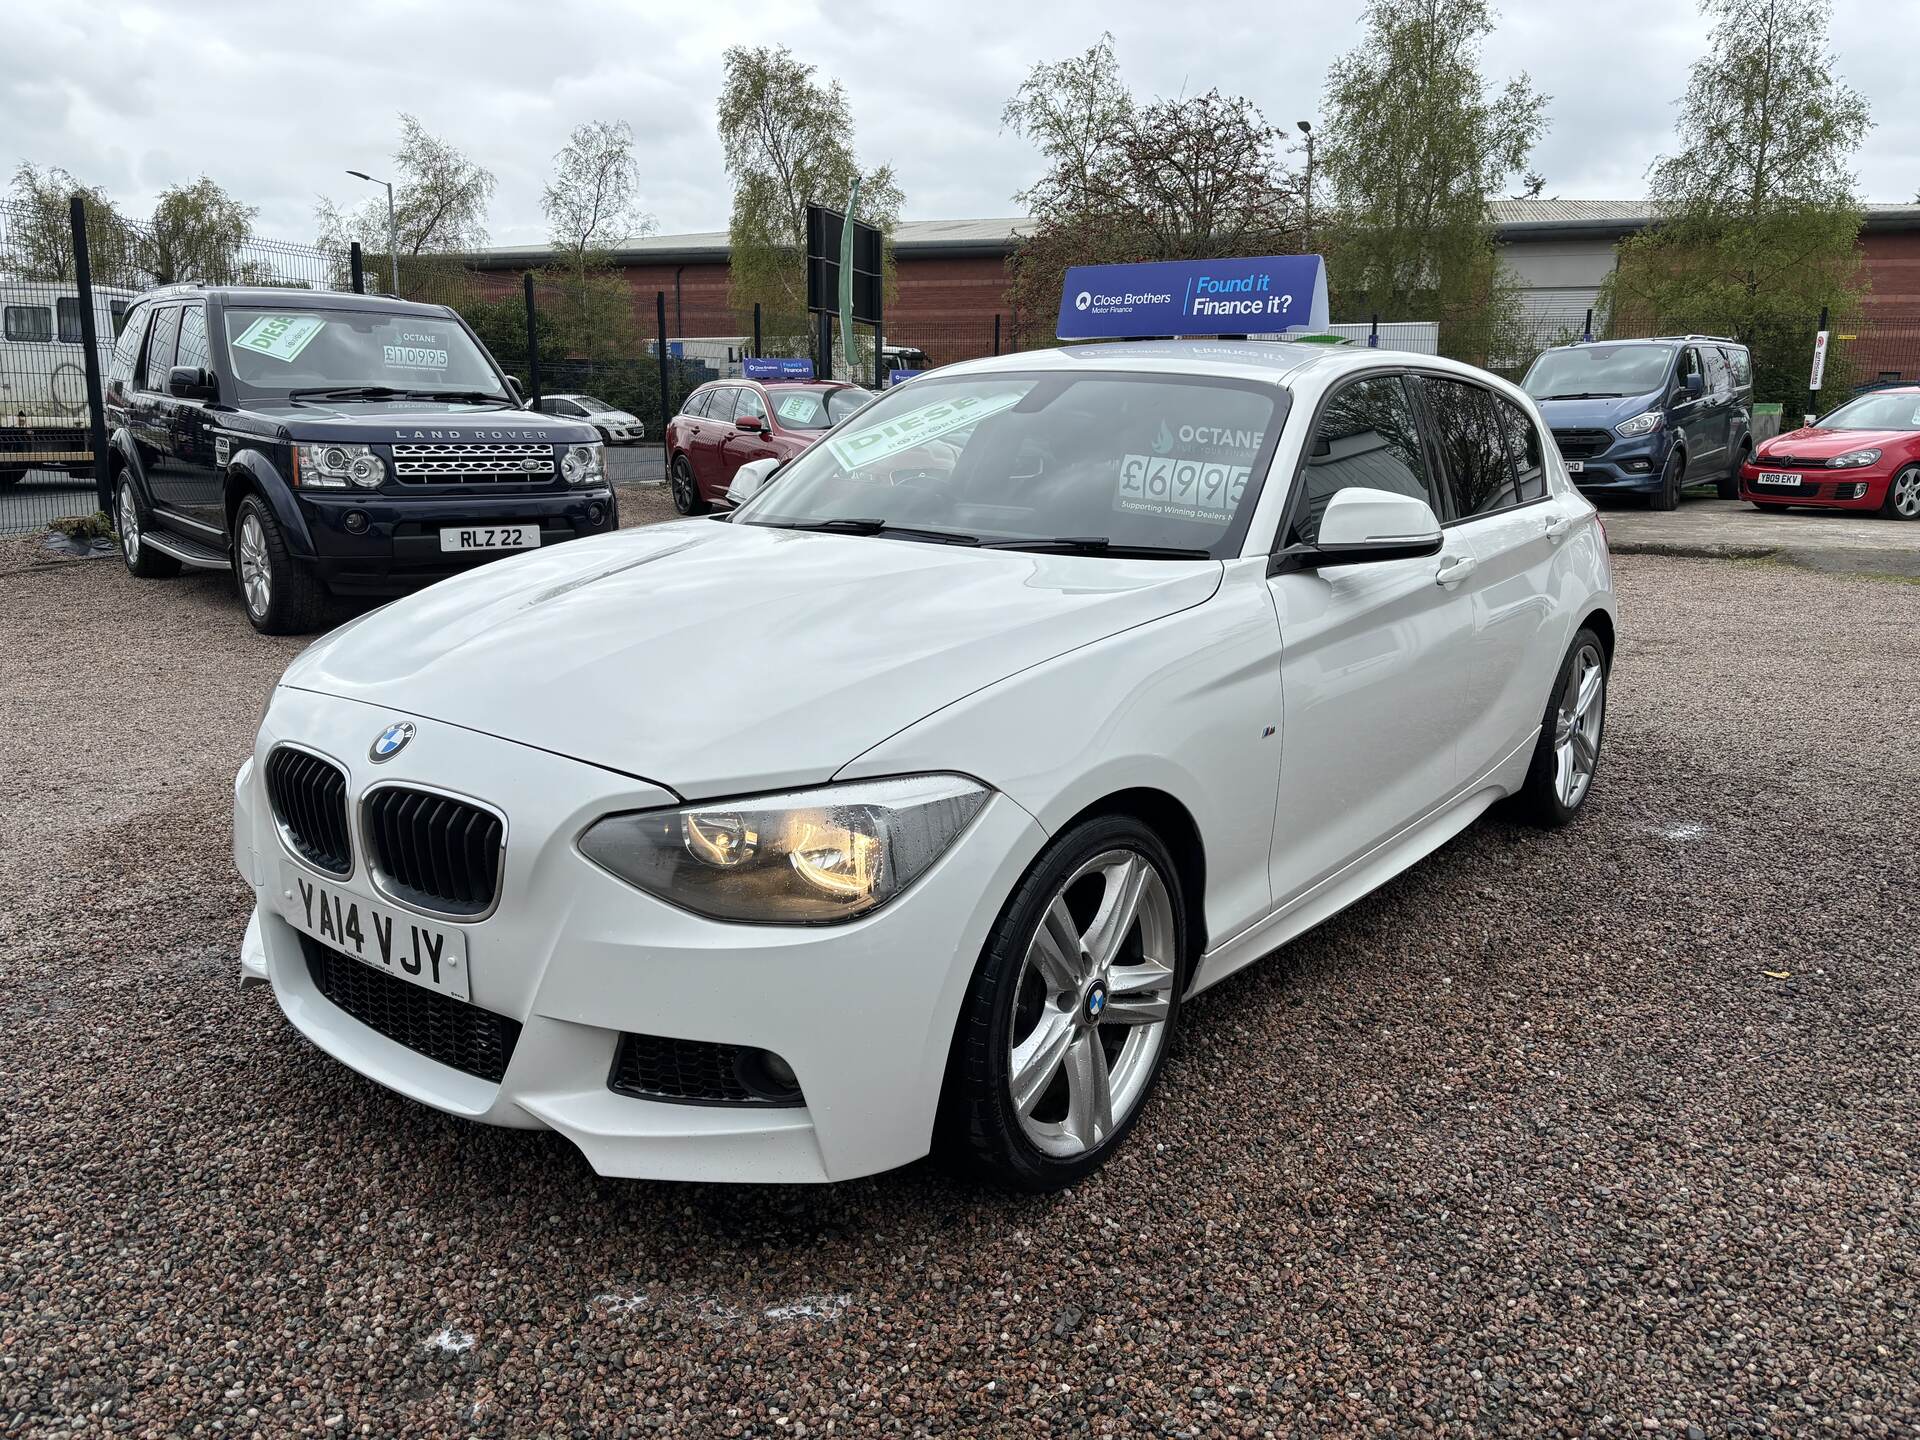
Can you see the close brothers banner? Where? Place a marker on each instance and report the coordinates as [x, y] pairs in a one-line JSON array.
[[1268, 295]]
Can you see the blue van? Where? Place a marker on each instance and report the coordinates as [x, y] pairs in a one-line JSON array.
[[1647, 417]]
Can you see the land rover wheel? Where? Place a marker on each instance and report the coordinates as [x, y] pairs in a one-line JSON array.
[[129, 522], [282, 598]]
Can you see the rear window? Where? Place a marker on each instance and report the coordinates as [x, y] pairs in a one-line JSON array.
[[798, 409]]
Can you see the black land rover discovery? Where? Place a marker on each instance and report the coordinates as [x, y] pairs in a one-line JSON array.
[[319, 443]]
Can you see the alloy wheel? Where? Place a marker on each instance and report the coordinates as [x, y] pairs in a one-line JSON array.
[[256, 572], [128, 516], [1091, 1008], [1578, 721], [682, 488], [1903, 496]]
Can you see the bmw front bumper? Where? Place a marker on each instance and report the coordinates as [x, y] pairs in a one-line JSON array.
[[863, 1012]]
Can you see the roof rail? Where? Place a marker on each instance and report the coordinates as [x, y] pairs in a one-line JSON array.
[[1717, 339]]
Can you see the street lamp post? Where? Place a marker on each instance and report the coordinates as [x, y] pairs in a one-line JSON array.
[[1306, 129], [393, 240]]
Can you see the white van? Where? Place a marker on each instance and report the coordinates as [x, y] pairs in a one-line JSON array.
[[43, 373]]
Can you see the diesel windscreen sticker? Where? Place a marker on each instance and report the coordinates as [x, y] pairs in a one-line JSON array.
[[417, 352], [929, 422], [1205, 486], [279, 337]]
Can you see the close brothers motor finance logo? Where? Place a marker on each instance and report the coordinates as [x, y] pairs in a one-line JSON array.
[[1083, 300]]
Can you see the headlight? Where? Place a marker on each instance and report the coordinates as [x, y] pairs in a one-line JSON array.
[[804, 857], [1644, 423], [327, 466], [1853, 458], [582, 464]]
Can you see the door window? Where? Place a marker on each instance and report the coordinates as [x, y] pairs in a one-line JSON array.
[[721, 406], [1466, 431], [1740, 363], [1365, 436], [125, 350], [753, 403], [193, 337], [696, 404], [1523, 450], [166, 330], [1719, 380], [30, 323]]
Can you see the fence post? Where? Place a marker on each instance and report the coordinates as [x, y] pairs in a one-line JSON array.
[[879, 339], [1586, 329], [996, 332], [666, 400], [533, 341], [825, 372], [90, 346], [1815, 376], [356, 268], [1373, 335], [756, 328]]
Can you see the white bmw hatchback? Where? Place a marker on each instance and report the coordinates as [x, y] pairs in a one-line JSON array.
[[907, 804]]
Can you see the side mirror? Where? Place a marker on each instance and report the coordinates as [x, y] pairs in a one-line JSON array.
[[1362, 525], [513, 389], [750, 479], [191, 382], [1694, 384], [755, 423]]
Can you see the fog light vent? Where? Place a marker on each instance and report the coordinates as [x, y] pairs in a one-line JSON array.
[[700, 1072]]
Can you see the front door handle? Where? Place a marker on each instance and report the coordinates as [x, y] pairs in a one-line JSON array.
[[1557, 529], [1453, 571]]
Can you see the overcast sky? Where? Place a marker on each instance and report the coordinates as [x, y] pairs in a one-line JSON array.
[[275, 101]]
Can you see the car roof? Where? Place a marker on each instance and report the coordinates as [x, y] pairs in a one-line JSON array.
[[296, 296], [752, 380], [1277, 362]]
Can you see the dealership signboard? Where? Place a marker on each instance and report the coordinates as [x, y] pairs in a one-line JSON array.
[[1266, 295], [758, 368]]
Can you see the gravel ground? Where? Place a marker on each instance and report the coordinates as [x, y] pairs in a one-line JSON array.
[[1607, 1131]]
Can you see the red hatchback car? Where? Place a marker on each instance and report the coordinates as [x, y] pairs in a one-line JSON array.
[[726, 423], [1863, 456]]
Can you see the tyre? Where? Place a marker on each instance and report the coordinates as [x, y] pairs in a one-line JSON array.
[[1730, 482], [686, 491], [605, 438], [282, 597], [11, 475], [129, 519], [1903, 495], [1568, 753], [1668, 495], [1067, 1020]]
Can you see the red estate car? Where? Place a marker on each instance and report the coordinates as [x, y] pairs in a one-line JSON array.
[[1863, 456], [726, 423]]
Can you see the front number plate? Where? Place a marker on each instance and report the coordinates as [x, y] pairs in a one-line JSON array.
[[1781, 479], [416, 950], [1575, 467], [491, 537]]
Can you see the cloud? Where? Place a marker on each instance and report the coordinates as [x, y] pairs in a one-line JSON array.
[[277, 104]]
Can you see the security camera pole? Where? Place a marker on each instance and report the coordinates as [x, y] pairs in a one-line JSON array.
[[393, 241], [1306, 225]]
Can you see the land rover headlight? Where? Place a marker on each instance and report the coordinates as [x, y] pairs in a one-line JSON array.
[[805, 857], [1853, 458], [332, 466], [583, 465], [1644, 423]]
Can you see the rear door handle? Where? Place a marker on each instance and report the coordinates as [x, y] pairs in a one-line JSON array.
[[1455, 570], [1557, 529]]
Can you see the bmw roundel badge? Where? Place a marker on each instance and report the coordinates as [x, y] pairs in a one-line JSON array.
[[390, 741], [1096, 1002]]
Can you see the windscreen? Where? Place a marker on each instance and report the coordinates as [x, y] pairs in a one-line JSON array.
[[274, 351], [1156, 461], [822, 409], [597, 406], [1896, 410], [1599, 372]]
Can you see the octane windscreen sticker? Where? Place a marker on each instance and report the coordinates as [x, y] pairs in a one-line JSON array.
[[279, 337], [418, 351], [929, 422]]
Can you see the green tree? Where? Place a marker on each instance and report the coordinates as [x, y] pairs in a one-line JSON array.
[[1130, 180], [1757, 222], [1414, 145], [592, 205], [38, 229], [199, 232], [440, 202], [788, 143]]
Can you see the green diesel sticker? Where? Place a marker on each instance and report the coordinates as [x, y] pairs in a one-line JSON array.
[[279, 337], [797, 407], [929, 422]]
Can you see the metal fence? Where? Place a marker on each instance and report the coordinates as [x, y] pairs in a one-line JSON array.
[[67, 277]]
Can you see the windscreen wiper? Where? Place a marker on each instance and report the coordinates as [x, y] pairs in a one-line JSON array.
[[843, 525], [349, 392], [1587, 395], [480, 396], [1099, 545]]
